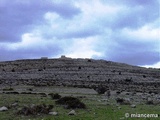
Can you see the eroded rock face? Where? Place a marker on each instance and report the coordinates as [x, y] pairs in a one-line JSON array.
[[80, 73]]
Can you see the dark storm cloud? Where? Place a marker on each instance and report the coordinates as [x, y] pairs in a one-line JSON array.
[[17, 17], [134, 51], [136, 58]]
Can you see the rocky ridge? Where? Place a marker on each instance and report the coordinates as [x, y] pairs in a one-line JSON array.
[[79, 73]]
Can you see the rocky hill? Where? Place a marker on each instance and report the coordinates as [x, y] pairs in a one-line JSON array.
[[79, 73]]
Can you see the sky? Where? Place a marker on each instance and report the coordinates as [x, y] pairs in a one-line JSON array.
[[125, 31]]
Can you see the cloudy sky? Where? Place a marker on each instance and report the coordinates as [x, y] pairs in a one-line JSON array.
[[124, 31]]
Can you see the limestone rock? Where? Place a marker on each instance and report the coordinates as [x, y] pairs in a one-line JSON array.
[[53, 113], [3, 108], [72, 112], [133, 106], [14, 104]]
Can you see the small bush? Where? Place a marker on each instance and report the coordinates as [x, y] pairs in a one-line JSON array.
[[26, 93], [128, 79], [55, 95], [149, 102], [35, 110], [13, 70], [120, 100], [13, 92], [144, 76], [70, 102], [8, 89], [118, 92], [89, 60], [100, 89], [30, 89], [123, 101]]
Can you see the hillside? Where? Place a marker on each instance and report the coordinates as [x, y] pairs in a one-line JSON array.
[[79, 73]]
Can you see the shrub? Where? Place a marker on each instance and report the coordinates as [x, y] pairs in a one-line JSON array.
[[100, 89], [36, 109], [149, 102], [144, 76], [89, 60], [30, 89], [123, 101], [12, 92], [118, 92], [55, 95], [13, 70], [128, 79], [120, 100], [8, 89], [70, 102]]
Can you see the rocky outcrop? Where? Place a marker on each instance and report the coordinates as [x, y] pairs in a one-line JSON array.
[[79, 73]]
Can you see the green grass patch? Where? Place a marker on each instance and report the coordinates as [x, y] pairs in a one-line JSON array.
[[95, 110]]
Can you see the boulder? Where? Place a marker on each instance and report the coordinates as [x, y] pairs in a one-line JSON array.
[[133, 106], [53, 113], [14, 104], [72, 112], [3, 108]]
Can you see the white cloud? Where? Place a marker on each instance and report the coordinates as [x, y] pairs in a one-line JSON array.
[[157, 65], [31, 40], [96, 7], [144, 33], [82, 48]]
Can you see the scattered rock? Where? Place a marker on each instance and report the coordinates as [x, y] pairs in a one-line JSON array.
[[53, 113], [133, 106], [72, 112], [14, 104], [3, 108]]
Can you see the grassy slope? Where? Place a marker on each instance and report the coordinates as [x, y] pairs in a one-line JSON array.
[[95, 110]]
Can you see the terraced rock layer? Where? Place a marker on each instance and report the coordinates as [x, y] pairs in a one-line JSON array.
[[79, 73]]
